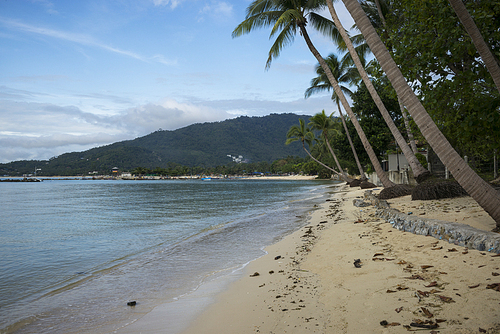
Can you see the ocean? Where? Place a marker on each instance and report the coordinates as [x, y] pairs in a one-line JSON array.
[[73, 253]]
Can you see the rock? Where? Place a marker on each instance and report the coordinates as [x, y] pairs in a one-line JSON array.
[[355, 183], [360, 203], [367, 185]]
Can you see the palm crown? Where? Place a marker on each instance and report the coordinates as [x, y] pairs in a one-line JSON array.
[[286, 18], [340, 70]]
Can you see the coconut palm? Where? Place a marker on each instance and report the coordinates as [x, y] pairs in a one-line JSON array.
[[321, 83], [477, 39], [289, 17], [324, 124], [476, 187], [419, 171], [375, 12], [304, 134], [411, 139]]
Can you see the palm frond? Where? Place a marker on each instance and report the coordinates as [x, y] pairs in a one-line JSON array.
[[285, 20], [314, 89], [259, 6], [325, 26], [286, 37], [261, 20]]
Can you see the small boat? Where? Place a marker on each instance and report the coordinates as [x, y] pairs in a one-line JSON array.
[[206, 178]]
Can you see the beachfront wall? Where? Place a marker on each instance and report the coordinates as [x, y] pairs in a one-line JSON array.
[[455, 233]]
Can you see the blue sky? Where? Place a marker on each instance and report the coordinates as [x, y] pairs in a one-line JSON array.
[[80, 74]]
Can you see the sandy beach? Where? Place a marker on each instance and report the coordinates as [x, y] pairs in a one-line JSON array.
[[348, 271]]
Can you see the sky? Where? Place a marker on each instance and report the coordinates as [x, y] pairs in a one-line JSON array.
[[81, 74]]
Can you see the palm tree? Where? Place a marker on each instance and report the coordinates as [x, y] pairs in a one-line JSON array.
[[324, 123], [419, 171], [477, 39], [304, 134], [378, 20], [321, 83], [288, 17], [413, 145], [476, 187]]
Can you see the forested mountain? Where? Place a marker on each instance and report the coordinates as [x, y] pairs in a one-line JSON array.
[[209, 144]]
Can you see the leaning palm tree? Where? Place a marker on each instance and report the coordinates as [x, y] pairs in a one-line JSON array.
[[304, 134], [321, 84], [324, 124], [477, 39], [375, 12], [289, 17], [419, 171], [487, 197]]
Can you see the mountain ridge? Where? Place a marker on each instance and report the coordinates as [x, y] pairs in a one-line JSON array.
[[257, 139]]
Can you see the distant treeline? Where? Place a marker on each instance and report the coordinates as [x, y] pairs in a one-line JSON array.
[[287, 165]]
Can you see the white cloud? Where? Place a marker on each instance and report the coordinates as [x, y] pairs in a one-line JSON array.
[[162, 60], [39, 131], [82, 39], [49, 6], [218, 9], [169, 115], [53, 130], [172, 3]]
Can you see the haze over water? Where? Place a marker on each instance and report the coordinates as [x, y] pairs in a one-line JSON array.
[[73, 253]]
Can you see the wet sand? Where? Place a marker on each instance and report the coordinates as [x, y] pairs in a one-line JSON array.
[[348, 271]]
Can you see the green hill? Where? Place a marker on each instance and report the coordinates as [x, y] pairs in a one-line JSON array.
[[209, 144]]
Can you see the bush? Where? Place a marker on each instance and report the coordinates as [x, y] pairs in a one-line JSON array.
[[421, 158]]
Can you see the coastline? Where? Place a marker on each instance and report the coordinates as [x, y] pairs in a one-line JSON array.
[[174, 314], [185, 177], [308, 282]]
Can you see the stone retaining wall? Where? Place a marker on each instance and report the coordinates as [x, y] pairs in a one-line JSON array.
[[455, 233]]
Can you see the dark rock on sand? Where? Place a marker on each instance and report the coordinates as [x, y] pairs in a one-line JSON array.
[[367, 185], [355, 183], [435, 188], [399, 190]]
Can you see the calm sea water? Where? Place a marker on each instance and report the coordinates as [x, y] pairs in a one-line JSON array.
[[74, 252]]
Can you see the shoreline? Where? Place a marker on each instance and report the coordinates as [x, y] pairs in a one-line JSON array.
[[174, 315], [309, 283], [151, 178]]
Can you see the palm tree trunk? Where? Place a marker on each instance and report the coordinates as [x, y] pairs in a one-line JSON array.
[[322, 164], [407, 126], [379, 10], [361, 171], [487, 197], [345, 177], [419, 171], [477, 39], [373, 157]]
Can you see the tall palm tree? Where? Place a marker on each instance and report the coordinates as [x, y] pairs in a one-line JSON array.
[[419, 171], [324, 123], [292, 16], [321, 83], [476, 187], [304, 134], [477, 39], [377, 19]]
